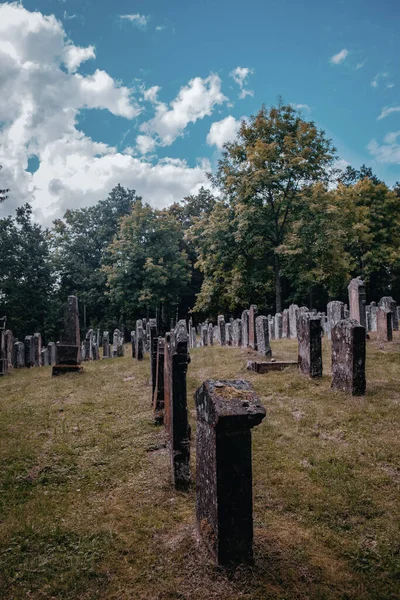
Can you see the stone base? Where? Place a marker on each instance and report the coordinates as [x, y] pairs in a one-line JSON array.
[[266, 367], [61, 369]]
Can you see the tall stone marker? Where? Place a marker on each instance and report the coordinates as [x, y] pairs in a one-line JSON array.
[[293, 315], [335, 313], [348, 357], [226, 412], [106, 344], [158, 397], [384, 324], [263, 345], [68, 351], [237, 339], [176, 358], [310, 347], [357, 301], [139, 339], [153, 354], [252, 326], [389, 304], [245, 329]]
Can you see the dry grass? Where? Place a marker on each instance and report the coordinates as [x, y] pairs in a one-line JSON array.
[[87, 510]]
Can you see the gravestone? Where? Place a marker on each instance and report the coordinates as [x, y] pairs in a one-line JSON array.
[[106, 344], [37, 349], [310, 347], [9, 347], [133, 344], [252, 326], [19, 355], [45, 357], [245, 328], [89, 345], [221, 329], [176, 358], [204, 334], [227, 410], [293, 313], [389, 304], [158, 396], [278, 326], [139, 339], [262, 335], [153, 354], [335, 313], [95, 351], [357, 301], [68, 351], [210, 334], [384, 324], [29, 351], [194, 337], [348, 357], [237, 333], [52, 348], [228, 334], [271, 327], [285, 324]]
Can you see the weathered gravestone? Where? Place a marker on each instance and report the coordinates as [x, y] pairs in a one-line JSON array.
[[37, 349], [176, 359], [245, 328], [9, 347], [89, 345], [389, 304], [348, 357], [158, 396], [262, 334], [357, 301], [153, 354], [139, 339], [221, 329], [278, 326], [310, 347], [19, 355], [226, 412], [293, 313], [133, 344], [228, 334], [335, 313], [52, 348], [210, 334], [45, 357], [252, 326], [29, 351], [3, 353], [384, 324], [106, 344], [95, 351], [204, 334], [237, 333], [285, 324], [271, 327], [68, 351]]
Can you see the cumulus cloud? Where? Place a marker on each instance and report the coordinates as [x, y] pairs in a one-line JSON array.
[[223, 131], [301, 106], [151, 94], [389, 151], [239, 76], [193, 102], [338, 58], [145, 144], [388, 111], [137, 19], [40, 116]]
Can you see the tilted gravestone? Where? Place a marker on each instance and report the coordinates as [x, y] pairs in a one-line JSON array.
[[245, 328], [389, 304], [357, 301], [226, 412], [335, 313], [68, 351], [262, 334], [158, 396], [310, 347], [384, 324], [348, 357], [176, 421], [253, 312]]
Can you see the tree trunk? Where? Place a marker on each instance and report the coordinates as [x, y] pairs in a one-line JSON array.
[[278, 290]]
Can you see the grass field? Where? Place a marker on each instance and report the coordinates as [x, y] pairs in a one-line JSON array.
[[87, 510]]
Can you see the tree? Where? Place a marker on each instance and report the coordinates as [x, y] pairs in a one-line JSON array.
[[262, 175], [350, 176], [146, 268], [3, 192]]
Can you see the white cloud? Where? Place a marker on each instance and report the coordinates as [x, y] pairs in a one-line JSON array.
[[389, 151], [67, 16], [388, 111], [239, 76], [74, 56], [301, 107], [145, 144], [39, 119], [193, 102], [360, 65], [390, 86], [151, 94], [223, 131], [338, 58], [160, 27], [137, 19], [374, 82]]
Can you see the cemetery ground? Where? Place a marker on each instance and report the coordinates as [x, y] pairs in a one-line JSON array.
[[87, 510]]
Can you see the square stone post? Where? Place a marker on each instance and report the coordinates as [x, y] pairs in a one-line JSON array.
[[226, 412], [357, 301], [176, 421], [384, 324], [348, 357], [252, 326], [310, 347], [263, 345]]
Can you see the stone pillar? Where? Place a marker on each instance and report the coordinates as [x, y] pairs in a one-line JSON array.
[[389, 304], [335, 313], [271, 327], [52, 348], [237, 333], [204, 334], [19, 355], [384, 324], [293, 313], [245, 329], [176, 359], [278, 326], [37, 349], [285, 324], [194, 338], [310, 347], [226, 412], [133, 344], [357, 301], [139, 339], [252, 326], [89, 345], [106, 344], [228, 334], [210, 334], [29, 351], [348, 357], [221, 329], [262, 335], [68, 351], [158, 396]]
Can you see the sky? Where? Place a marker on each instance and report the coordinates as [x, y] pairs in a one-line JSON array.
[[145, 93]]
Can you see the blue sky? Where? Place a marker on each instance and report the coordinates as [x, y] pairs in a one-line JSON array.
[[145, 93]]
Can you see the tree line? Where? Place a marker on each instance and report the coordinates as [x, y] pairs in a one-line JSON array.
[[281, 225]]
